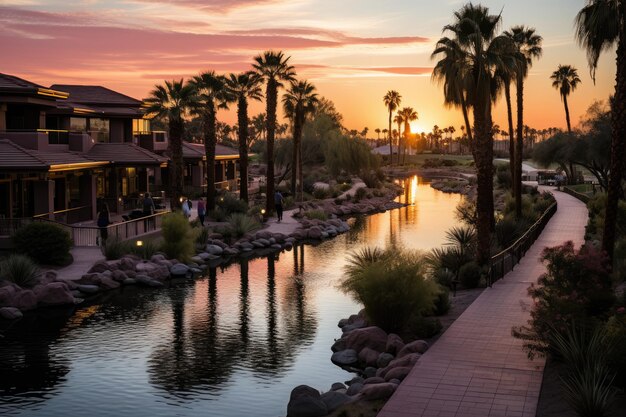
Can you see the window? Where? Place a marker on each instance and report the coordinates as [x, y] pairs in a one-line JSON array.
[[99, 129], [78, 124], [141, 126]]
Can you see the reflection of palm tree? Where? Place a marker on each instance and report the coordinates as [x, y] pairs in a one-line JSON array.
[[273, 354], [244, 305]]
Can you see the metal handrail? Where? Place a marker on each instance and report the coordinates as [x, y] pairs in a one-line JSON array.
[[69, 210], [505, 260]]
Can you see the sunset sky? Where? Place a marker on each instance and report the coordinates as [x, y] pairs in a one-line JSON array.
[[352, 50]]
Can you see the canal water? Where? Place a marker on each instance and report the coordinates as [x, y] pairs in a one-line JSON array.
[[233, 343]]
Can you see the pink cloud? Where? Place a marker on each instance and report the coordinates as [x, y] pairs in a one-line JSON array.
[[214, 5]]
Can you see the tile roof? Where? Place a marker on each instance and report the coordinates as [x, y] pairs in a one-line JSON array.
[[196, 151], [124, 153], [95, 94], [13, 156], [11, 82]]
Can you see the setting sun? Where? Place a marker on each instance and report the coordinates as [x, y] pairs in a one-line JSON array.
[[417, 127]]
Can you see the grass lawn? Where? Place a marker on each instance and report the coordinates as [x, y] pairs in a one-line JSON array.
[[420, 158]]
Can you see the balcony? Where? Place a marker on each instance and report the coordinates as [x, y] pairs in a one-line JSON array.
[[153, 141]]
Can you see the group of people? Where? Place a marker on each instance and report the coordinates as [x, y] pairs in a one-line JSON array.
[[187, 205]]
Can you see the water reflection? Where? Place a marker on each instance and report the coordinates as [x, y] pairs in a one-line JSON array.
[[253, 330]]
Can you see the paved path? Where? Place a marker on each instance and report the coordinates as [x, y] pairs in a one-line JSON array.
[[84, 258], [477, 368]]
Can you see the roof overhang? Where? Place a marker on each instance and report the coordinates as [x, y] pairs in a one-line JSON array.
[[77, 165]]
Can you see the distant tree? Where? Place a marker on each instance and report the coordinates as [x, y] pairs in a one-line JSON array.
[[377, 130], [565, 79], [392, 101], [408, 115], [171, 102], [327, 107]]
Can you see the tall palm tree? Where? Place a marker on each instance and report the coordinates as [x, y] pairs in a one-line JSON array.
[[385, 133], [259, 124], [210, 95], [298, 102], [479, 53], [408, 115], [392, 101], [274, 68], [505, 75], [527, 46], [377, 130], [600, 25], [171, 101], [399, 120], [565, 79], [241, 88]]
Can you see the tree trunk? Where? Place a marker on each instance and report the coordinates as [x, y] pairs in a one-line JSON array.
[[519, 148], [390, 141], [242, 119], [483, 156], [509, 111], [210, 140], [618, 142], [297, 136], [271, 97], [176, 130], [569, 126]]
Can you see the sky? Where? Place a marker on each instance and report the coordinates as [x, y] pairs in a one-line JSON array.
[[353, 51]]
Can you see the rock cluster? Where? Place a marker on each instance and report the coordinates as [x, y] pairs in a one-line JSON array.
[[382, 360]]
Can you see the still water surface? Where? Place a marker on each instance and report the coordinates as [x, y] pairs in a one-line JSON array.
[[233, 343]]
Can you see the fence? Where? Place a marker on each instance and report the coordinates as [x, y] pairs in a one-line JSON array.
[[506, 260], [68, 216], [89, 235], [582, 197]]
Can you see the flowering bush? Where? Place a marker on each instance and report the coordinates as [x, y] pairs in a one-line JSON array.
[[576, 288]]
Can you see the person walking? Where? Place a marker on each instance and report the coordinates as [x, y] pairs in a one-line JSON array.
[[186, 209], [103, 222], [201, 211], [148, 205], [278, 202]]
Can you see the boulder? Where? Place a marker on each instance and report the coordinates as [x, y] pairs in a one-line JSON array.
[[372, 337], [88, 289], [369, 372], [382, 391], [417, 346], [130, 281], [93, 278], [246, 246], [205, 256], [165, 263], [108, 283], [48, 276], [279, 237], [214, 249], [231, 252], [157, 258], [160, 273], [383, 359], [314, 233], [276, 246], [405, 361], [340, 344], [394, 344], [354, 389], [288, 245], [305, 401], [148, 281], [368, 356], [180, 270], [119, 275], [7, 295], [54, 293], [337, 386], [265, 242], [263, 234], [345, 357], [373, 380], [25, 300], [334, 400], [197, 259], [10, 313], [100, 266], [258, 244], [398, 373], [355, 380], [359, 323]]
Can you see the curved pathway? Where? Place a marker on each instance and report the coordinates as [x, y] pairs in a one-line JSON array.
[[477, 368]]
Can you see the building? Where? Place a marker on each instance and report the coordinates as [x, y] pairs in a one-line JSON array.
[[66, 149]]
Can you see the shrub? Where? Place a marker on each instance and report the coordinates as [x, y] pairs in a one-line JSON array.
[[316, 214], [370, 179], [575, 288], [178, 239], [442, 302], [345, 187], [45, 243], [444, 277], [360, 193], [615, 329], [115, 248], [217, 215], [391, 286], [146, 250], [320, 193], [424, 327], [20, 270], [229, 204], [240, 224], [508, 230], [202, 236], [469, 275], [503, 175]]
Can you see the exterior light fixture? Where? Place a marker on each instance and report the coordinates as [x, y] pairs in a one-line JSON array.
[[180, 199], [139, 243], [262, 211]]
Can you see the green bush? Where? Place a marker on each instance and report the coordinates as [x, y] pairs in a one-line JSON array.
[[229, 203], [442, 302], [424, 327], [178, 239], [370, 179], [316, 214], [503, 175], [114, 248], [146, 250], [444, 277], [217, 215], [320, 193], [20, 270], [615, 329], [360, 193], [469, 275], [202, 236], [345, 187], [240, 224], [392, 286], [45, 243]]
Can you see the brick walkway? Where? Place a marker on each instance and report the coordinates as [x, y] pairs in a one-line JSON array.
[[477, 368]]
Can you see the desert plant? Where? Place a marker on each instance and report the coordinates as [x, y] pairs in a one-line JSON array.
[[442, 302], [444, 277], [202, 236], [589, 391], [115, 248], [320, 193], [217, 215], [469, 275], [229, 204], [316, 214], [20, 270], [178, 239], [45, 243], [370, 179], [360, 193], [462, 237], [392, 286], [240, 224], [146, 250]]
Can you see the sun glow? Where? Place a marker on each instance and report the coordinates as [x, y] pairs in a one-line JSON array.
[[417, 127]]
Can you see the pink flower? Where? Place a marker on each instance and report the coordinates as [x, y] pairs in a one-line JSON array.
[[621, 310]]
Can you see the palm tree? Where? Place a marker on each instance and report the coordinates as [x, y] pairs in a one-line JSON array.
[[274, 68], [479, 52], [259, 124], [527, 46], [505, 75], [599, 26], [210, 95], [392, 101], [408, 115], [385, 133], [565, 79], [298, 102], [399, 120], [242, 87], [377, 130], [171, 101]]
